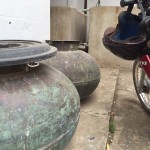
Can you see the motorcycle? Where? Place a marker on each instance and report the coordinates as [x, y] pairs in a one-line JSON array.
[[130, 40]]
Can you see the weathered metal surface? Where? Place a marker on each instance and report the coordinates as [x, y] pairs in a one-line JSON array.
[[15, 52], [66, 45], [39, 108], [79, 67]]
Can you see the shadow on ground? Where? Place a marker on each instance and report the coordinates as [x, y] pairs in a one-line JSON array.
[[132, 122]]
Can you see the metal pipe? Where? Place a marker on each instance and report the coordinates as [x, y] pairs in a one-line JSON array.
[[67, 2], [98, 3], [85, 10], [85, 6]]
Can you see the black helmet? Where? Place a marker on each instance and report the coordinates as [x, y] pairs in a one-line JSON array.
[[125, 41]]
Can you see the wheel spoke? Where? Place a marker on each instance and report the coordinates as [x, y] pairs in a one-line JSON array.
[[141, 81]]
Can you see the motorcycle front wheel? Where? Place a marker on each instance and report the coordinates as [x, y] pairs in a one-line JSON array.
[[142, 85]]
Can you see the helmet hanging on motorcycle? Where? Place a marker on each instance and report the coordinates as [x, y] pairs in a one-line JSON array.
[[125, 40]]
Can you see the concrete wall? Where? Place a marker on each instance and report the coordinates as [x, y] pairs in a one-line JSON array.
[[67, 24], [25, 19], [92, 3], [78, 4], [100, 19]]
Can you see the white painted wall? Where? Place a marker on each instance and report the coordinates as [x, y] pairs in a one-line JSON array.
[[25, 19], [79, 4]]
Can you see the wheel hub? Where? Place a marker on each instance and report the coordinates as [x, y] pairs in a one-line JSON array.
[[146, 86]]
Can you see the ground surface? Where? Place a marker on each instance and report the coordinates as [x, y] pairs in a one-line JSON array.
[[115, 93]]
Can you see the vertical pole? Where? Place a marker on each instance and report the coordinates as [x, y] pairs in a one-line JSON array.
[[85, 5], [67, 2], [98, 3]]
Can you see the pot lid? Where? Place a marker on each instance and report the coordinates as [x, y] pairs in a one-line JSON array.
[[15, 52]]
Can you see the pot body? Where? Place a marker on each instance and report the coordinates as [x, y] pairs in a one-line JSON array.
[[80, 68], [39, 108]]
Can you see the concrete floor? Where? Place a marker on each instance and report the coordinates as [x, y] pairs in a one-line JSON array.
[[114, 93]]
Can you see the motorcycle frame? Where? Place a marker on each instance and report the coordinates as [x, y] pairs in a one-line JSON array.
[[145, 64]]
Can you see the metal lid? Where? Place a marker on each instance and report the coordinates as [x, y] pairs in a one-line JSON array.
[[15, 52]]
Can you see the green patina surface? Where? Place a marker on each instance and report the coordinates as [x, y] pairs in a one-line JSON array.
[[39, 109], [80, 68]]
